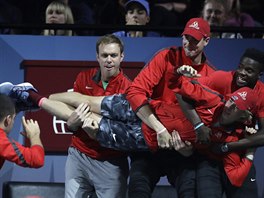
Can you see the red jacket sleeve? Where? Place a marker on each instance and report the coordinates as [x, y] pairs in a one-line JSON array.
[[149, 77], [200, 94], [12, 151], [236, 168]]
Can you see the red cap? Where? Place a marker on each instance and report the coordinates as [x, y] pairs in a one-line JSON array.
[[197, 28], [245, 99]]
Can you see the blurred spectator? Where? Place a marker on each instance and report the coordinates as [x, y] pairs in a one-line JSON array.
[[176, 8], [111, 12], [255, 9], [160, 16], [9, 14], [236, 18], [137, 13], [215, 12], [58, 12], [83, 14]]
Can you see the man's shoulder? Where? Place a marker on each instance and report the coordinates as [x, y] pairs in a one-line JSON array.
[[170, 49], [223, 73]]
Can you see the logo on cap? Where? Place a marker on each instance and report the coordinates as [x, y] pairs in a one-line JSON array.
[[195, 25], [243, 95]]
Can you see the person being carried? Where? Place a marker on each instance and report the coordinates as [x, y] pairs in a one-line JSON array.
[[115, 125]]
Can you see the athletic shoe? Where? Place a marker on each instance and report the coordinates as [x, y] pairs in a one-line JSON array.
[[18, 92], [6, 87]]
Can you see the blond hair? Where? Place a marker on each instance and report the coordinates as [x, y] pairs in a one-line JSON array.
[[61, 8]]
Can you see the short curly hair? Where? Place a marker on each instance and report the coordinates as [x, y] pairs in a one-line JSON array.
[[256, 55]]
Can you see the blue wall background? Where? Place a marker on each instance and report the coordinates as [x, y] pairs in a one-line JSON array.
[[224, 54]]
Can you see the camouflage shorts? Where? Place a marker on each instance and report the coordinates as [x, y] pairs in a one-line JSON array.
[[120, 128]]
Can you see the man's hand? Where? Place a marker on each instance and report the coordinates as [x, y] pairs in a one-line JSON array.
[[184, 148], [90, 126], [188, 71], [203, 134], [133, 21], [250, 131], [31, 128], [78, 116], [164, 139], [31, 131]]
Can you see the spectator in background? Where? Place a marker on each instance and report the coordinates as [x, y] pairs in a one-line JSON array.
[[58, 12], [13, 151], [109, 13], [83, 13], [137, 13], [255, 9], [215, 13], [236, 18], [9, 14], [162, 15]]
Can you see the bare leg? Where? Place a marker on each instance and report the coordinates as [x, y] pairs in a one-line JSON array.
[[57, 108], [75, 99]]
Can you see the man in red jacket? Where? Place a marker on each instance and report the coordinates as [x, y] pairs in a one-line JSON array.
[[151, 86], [33, 156], [89, 166]]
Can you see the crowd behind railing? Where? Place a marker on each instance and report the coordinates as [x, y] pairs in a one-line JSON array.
[[227, 18]]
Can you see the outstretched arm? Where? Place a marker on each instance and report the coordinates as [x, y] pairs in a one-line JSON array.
[[202, 131], [147, 116]]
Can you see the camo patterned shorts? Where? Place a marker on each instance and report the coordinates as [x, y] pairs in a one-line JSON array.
[[120, 128]]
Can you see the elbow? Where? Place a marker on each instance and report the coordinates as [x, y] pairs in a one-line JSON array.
[[38, 158], [39, 162]]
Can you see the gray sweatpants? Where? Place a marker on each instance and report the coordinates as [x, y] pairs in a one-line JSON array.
[[85, 176]]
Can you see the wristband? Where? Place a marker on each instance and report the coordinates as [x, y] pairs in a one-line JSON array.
[[198, 125], [41, 101], [250, 157], [161, 131]]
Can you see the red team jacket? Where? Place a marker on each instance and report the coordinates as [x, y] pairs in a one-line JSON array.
[[222, 82], [89, 83], [23, 156], [151, 87], [209, 107]]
